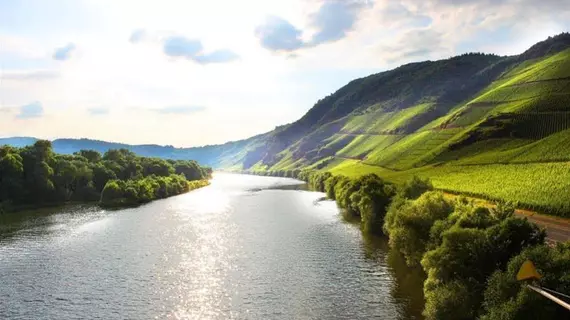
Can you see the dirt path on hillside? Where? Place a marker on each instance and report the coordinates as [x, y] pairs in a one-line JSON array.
[[557, 229]]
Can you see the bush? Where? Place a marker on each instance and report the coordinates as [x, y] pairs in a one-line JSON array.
[[506, 298], [409, 224], [468, 256], [415, 187], [133, 192]]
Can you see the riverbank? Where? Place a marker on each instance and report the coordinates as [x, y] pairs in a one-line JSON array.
[[557, 227], [132, 193], [468, 250], [9, 209], [118, 204]]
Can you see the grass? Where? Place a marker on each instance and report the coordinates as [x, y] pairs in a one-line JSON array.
[[412, 150], [537, 186], [553, 148], [362, 145], [485, 152], [469, 115], [553, 67], [532, 85], [355, 168], [380, 121], [338, 141]]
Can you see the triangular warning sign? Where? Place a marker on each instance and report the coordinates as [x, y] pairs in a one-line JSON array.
[[528, 271]]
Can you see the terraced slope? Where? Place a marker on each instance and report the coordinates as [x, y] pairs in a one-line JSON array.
[[502, 131]]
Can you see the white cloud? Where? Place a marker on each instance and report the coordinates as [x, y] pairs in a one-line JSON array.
[[21, 46], [34, 75]]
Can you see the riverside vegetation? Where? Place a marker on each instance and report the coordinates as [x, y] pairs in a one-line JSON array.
[[470, 254], [35, 176]]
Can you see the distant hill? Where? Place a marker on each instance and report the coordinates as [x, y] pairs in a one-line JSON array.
[[18, 141], [487, 125], [208, 155]]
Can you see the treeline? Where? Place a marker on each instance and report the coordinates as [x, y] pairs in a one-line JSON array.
[[470, 254], [35, 175]]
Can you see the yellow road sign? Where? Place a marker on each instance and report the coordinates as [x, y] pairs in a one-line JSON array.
[[528, 271]]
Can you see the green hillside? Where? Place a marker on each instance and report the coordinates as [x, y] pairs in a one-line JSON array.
[[490, 126]]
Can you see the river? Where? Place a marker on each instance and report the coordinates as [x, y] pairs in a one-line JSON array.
[[245, 247]]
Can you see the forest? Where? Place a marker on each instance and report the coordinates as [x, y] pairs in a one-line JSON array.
[[470, 254], [35, 176]]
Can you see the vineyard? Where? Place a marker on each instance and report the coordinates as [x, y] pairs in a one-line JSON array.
[[540, 124], [380, 121], [412, 150], [485, 152], [526, 92], [362, 145], [469, 115], [541, 187]]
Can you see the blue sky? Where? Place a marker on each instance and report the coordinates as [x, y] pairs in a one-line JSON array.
[[191, 73]]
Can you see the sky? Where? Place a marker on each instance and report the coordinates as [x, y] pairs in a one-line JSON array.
[[191, 73]]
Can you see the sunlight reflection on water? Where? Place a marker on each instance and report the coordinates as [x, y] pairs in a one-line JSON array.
[[237, 249]]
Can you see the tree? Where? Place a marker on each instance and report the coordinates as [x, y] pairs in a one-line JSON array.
[[467, 257], [35, 174], [157, 167], [65, 178], [414, 188], [409, 225], [330, 185], [101, 175], [91, 155], [112, 193], [11, 171], [506, 298], [375, 196]]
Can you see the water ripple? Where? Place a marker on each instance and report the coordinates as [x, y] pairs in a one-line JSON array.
[[221, 252]]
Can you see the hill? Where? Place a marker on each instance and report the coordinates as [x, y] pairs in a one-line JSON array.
[[485, 125], [18, 141], [490, 126]]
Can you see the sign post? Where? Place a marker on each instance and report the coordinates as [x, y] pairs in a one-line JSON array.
[[528, 272]]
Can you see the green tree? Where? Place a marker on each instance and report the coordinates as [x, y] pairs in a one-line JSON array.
[[11, 174], [506, 298], [409, 225], [91, 155], [466, 258], [101, 175], [157, 167]]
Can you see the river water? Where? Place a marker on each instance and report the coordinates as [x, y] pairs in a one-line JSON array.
[[245, 247]]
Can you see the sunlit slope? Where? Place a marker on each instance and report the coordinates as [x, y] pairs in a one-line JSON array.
[[511, 141], [526, 100], [503, 123], [507, 137]]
